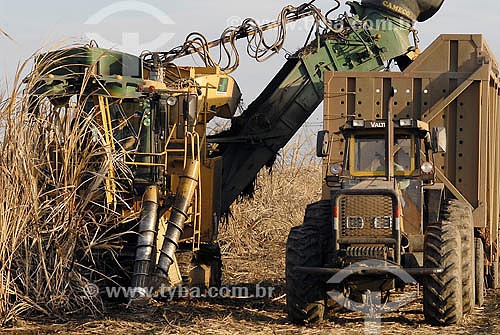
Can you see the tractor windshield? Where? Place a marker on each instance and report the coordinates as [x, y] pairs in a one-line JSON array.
[[367, 155]]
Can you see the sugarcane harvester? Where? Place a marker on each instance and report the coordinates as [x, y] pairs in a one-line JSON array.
[[155, 113]]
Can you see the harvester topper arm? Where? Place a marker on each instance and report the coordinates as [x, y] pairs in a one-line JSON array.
[[410, 10], [257, 48]]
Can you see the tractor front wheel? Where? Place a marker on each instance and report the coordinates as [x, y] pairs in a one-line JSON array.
[[307, 246]]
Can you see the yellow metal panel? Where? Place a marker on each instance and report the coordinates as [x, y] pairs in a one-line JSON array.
[[221, 91], [210, 195], [207, 190]]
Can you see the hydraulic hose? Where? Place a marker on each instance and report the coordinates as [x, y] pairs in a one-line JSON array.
[[145, 240], [178, 216]]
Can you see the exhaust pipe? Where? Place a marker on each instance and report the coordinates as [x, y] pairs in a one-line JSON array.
[[178, 217], [145, 241], [389, 140]]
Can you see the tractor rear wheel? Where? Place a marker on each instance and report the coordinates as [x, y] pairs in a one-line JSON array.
[[307, 246], [443, 291], [459, 214]]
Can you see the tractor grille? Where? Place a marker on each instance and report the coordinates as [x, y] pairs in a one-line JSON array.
[[366, 209], [372, 252]]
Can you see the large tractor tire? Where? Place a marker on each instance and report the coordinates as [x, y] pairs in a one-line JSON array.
[[459, 214], [443, 291], [307, 246], [479, 268]]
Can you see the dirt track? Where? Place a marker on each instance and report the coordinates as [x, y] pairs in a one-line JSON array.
[[254, 316]]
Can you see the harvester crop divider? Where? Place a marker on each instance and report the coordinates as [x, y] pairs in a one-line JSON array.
[[108, 135]]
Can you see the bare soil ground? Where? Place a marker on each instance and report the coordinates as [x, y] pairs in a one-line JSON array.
[[238, 316], [252, 316]]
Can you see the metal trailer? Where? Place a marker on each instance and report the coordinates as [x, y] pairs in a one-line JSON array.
[[453, 84]]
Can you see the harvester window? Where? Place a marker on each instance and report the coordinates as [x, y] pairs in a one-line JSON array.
[[125, 122]]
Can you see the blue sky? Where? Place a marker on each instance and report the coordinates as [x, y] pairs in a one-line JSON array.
[[35, 24]]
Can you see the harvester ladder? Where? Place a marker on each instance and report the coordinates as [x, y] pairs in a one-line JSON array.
[[194, 140]]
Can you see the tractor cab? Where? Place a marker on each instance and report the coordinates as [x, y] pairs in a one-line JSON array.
[[367, 155], [378, 188]]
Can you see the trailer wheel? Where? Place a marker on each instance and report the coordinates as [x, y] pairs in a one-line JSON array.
[[443, 292], [459, 214], [494, 275], [479, 254], [307, 246]]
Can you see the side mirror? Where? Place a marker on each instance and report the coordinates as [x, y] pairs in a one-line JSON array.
[[323, 144], [438, 140]]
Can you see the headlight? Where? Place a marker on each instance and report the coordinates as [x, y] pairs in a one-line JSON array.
[[336, 169], [427, 168], [358, 123], [354, 222], [405, 122], [383, 222], [171, 101]]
